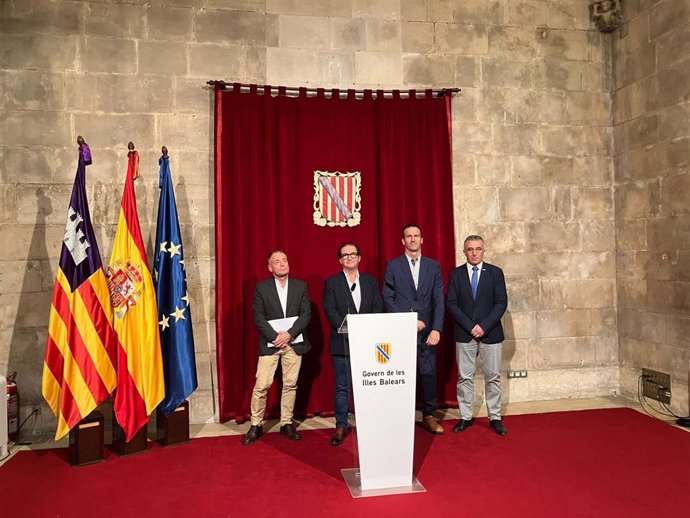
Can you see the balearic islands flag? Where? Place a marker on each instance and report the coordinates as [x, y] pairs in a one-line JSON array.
[[79, 367], [140, 370], [174, 317]]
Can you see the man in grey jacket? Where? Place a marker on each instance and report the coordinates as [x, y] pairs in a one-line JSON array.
[[282, 311]]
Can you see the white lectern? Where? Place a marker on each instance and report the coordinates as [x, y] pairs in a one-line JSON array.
[[383, 356]]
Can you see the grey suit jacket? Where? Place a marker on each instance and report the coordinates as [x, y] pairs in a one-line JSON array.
[[267, 307]]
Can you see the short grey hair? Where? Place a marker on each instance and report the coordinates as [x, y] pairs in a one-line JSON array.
[[473, 237]]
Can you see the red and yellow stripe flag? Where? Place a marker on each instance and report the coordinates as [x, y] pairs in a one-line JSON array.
[[140, 382], [79, 366]]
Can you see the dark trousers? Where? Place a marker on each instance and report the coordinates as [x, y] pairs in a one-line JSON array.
[[343, 381], [426, 367]]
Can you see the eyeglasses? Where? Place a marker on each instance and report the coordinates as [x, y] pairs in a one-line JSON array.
[[351, 255], [470, 250]]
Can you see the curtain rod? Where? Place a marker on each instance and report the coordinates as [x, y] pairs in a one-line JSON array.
[[295, 90]]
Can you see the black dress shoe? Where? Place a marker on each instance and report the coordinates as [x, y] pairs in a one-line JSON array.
[[255, 431], [497, 426], [288, 430], [339, 436], [462, 425]]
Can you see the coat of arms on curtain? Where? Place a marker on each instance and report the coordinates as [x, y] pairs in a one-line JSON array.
[[337, 201]]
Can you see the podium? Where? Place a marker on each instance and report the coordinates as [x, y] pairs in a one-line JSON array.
[[383, 356]]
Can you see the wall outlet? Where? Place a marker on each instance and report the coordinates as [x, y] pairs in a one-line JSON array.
[[656, 385], [517, 374]]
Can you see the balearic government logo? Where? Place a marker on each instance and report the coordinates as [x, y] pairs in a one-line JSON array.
[[337, 199], [383, 353]]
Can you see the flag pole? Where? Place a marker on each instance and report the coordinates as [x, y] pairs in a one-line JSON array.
[[131, 149]]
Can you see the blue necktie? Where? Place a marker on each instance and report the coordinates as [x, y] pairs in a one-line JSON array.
[[475, 279]]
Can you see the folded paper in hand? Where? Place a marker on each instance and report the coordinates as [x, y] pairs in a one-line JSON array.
[[284, 324]]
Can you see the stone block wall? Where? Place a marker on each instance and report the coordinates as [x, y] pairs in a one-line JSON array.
[[652, 193], [532, 138], [533, 165]]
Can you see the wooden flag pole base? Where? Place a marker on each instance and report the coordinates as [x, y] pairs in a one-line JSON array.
[[173, 429], [138, 444], [86, 440]]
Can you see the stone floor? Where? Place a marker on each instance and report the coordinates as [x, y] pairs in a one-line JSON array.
[[37, 442]]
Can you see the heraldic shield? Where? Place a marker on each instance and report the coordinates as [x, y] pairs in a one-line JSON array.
[[383, 353], [337, 199]]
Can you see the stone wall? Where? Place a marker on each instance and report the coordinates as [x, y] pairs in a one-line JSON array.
[[652, 184], [532, 137]]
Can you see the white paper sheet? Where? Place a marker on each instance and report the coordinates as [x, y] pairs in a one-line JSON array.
[[284, 324]]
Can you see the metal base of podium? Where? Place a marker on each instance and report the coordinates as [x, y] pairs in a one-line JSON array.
[[354, 484]]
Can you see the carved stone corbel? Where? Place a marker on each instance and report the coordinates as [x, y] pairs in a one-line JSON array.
[[606, 14]]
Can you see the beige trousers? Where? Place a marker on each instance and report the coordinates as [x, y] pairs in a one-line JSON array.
[[265, 370]]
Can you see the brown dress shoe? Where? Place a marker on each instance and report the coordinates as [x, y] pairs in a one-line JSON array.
[[288, 430], [339, 436], [430, 424], [255, 431]]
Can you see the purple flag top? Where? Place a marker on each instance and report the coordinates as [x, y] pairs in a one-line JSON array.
[[84, 153], [79, 257]]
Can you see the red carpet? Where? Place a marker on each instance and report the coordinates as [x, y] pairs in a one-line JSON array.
[[589, 463]]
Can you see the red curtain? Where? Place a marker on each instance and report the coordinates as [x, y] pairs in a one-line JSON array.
[[267, 149]]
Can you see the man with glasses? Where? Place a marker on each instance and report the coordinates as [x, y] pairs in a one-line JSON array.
[[346, 292], [282, 311], [414, 283], [477, 299]]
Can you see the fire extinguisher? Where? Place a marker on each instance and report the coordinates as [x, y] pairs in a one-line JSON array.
[[12, 407]]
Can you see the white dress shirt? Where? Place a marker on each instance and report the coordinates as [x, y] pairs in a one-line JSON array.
[[414, 268], [282, 295], [356, 292], [479, 271]]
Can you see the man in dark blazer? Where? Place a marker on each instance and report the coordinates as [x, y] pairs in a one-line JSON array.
[[346, 292], [477, 299], [415, 283], [277, 298]]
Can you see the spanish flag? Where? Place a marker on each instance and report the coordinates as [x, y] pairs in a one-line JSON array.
[[140, 384], [79, 367]]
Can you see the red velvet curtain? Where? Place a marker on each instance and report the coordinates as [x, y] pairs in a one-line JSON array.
[[267, 149]]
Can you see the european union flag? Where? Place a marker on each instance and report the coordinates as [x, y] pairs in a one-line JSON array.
[[174, 313]]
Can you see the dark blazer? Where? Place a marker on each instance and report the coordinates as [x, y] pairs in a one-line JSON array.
[[267, 307], [338, 303], [400, 295], [487, 310]]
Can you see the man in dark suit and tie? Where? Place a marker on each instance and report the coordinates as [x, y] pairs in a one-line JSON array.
[[347, 292], [415, 283], [477, 299], [281, 313]]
